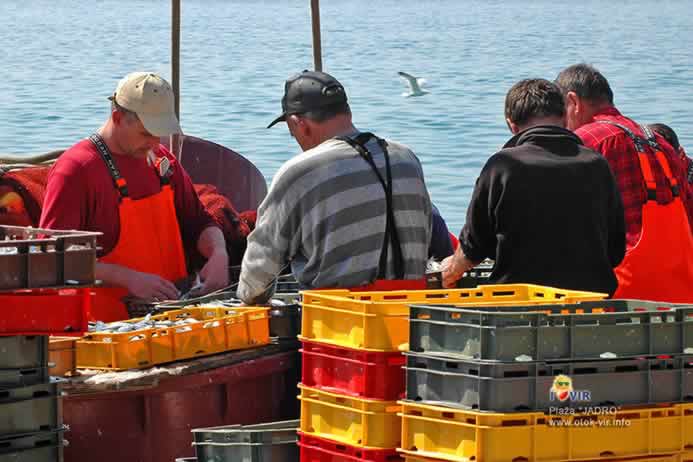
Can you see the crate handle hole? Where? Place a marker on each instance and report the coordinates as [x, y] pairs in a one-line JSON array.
[[456, 315], [520, 459], [358, 454], [451, 365], [448, 415], [688, 398], [340, 447], [514, 423], [423, 316], [199, 352], [606, 454], [417, 413]]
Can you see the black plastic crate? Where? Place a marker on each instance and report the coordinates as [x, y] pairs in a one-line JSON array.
[[23, 352], [521, 387], [285, 320], [487, 334], [31, 409], [268, 442]]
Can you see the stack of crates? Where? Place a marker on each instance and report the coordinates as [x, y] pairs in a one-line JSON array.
[[350, 383], [30, 419], [44, 279], [352, 364], [596, 380]]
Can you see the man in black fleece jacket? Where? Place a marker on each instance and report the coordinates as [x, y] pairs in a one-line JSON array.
[[545, 208]]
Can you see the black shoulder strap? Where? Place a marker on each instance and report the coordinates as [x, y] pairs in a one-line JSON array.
[[118, 180], [391, 232]]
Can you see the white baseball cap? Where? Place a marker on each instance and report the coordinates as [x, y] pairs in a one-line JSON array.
[[151, 98]]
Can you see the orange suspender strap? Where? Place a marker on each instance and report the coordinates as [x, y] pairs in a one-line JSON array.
[[643, 157], [662, 160]]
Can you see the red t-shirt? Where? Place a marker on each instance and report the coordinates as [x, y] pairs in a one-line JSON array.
[[619, 150], [80, 194]]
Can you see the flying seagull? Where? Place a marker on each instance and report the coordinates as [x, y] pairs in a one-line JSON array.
[[414, 85]]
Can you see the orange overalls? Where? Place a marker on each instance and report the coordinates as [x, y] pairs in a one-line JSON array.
[[149, 239], [660, 265]]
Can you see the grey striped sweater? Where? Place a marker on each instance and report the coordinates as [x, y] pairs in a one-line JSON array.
[[325, 215]]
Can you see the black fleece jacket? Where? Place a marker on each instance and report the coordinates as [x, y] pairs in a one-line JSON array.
[[548, 211]]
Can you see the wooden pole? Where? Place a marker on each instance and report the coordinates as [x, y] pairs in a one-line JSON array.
[[317, 46], [175, 70], [175, 52]]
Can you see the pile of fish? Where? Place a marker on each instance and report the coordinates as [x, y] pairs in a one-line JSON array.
[[181, 324], [121, 327]]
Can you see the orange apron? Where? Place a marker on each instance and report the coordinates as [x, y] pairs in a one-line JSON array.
[[660, 266], [149, 240]]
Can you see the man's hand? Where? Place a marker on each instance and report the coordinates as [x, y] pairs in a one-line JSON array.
[[215, 274], [454, 268], [150, 287]]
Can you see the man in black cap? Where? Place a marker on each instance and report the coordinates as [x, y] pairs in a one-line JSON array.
[[350, 210]]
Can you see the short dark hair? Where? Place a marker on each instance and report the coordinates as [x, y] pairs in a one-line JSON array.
[[667, 133], [532, 98], [587, 82], [327, 112]]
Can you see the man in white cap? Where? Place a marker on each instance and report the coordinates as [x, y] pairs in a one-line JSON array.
[[123, 183]]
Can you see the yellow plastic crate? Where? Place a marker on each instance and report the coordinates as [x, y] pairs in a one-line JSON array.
[[349, 420], [219, 329], [684, 456], [462, 436], [379, 321], [677, 457]]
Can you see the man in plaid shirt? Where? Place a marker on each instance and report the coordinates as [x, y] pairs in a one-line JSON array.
[[592, 115]]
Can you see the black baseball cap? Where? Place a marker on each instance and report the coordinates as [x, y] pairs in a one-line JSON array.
[[309, 91]]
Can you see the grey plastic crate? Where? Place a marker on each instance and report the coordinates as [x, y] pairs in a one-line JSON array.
[[275, 442], [510, 387], [39, 454], [508, 335], [23, 352], [30, 441], [13, 378], [30, 409]]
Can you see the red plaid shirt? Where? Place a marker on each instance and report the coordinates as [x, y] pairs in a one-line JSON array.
[[619, 150]]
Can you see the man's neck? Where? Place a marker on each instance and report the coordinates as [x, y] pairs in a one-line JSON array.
[[107, 132]]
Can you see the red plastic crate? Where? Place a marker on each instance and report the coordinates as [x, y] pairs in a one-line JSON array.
[[321, 450], [364, 374], [45, 311]]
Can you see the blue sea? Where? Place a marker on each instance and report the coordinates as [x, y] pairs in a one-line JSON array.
[[62, 58]]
